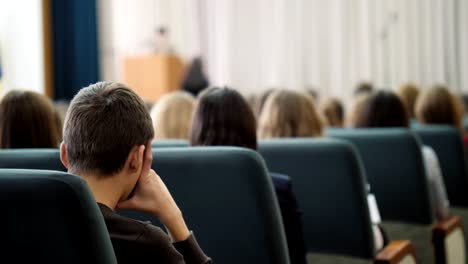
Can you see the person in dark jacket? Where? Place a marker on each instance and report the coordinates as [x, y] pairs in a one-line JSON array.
[[195, 79], [223, 118]]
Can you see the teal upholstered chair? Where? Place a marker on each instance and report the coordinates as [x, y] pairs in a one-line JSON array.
[[50, 217], [395, 170], [225, 194], [328, 179], [40, 159], [465, 122], [447, 143], [169, 143], [228, 199]]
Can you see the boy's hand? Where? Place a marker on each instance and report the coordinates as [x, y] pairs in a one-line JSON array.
[[152, 196]]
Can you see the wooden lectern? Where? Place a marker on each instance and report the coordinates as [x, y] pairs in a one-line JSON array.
[[154, 75]]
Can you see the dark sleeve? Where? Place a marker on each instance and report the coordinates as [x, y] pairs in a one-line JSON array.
[[155, 244], [191, 251], [187, 251], [292, 221]]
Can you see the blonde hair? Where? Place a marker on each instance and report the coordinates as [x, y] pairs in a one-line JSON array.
[[172, 116], [357, 108], [289, 114], [438, 105], [333, 111], [409, 93]]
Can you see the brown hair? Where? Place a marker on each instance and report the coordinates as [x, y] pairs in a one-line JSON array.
[[333, 111], [409, 94], [380, 109], [28, 121], [289, 114], [103, 123], [172, 115], [223, 118], [261, 99], [438, 105]]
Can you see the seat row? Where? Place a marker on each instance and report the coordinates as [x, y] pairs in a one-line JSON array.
[[227, 196]]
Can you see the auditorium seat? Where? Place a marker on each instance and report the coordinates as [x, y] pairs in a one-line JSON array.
[[395, 170], [447, 143], [40, 159], [327, 176], [227, 197], [50, 217], [465, 123], [169, 143], [225, 194]]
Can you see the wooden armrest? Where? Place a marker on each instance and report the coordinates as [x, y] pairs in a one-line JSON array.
[[395, 252], [446, 226], [440, 231]]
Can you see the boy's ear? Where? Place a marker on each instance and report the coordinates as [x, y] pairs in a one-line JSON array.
[[63, 154], [135, 158]]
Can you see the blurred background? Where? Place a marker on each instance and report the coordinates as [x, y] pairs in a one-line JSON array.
[[56, 47]]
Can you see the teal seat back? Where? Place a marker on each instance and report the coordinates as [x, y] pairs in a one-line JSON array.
[[169, 143], [447, 143], [327, 177], [40, 159], [225, 193], [465, 122], [50, 217], [395, 170], [227, 198]]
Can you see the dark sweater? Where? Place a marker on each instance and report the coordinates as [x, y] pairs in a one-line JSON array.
[[141, 242], [292, 218]]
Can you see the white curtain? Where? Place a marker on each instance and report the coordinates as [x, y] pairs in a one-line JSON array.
[[328, 45]]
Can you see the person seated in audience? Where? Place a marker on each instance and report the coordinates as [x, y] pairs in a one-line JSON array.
[[28, 120], [195, 79], [261, 99], [107, 142], [408, 94], [290, 114], [312, 91], [355, 109], [223, 118], [385, 109], [333, 111], [363, 88], [172, 114], [438, 105]]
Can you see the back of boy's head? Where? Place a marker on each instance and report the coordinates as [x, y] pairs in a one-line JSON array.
[[103, 123]]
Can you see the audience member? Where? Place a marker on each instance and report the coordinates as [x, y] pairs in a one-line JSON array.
[[380, 109], [355, 109], [385, 109], [223, 118], [28, 120], [290, 114], [333, 111], [363, 88], [438, 105], [172, 114], [312, 91], [251, 99], [195, 79], [107, 142], [409, 93], [261, 99]]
